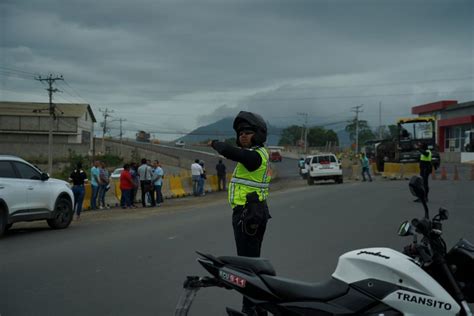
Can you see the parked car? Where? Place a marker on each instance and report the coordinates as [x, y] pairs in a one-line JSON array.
[[275, 156], [180, 143], [28, 194], [324, 167], [116, 174]]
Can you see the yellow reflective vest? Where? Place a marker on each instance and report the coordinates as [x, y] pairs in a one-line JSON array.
[[244, 182], [426, 158]]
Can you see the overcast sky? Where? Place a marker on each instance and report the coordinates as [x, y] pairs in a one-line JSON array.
[[170, 66]]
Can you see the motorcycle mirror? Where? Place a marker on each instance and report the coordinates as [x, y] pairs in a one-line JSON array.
[[443, 214], [405, 229], [416, 187]]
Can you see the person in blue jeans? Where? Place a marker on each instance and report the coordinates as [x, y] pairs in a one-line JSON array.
[[364, 161], [78, 178], [103, 184], [95, 173], [196, 171], [158, 182], [202, 179]]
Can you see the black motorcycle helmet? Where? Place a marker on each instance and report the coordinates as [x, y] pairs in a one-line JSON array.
[[248, 120]]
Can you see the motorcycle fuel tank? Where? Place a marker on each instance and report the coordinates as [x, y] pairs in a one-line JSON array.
[[397, 280]]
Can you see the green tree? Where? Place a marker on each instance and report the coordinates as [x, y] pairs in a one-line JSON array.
[[317, 136], [365, 132], [290, 135]]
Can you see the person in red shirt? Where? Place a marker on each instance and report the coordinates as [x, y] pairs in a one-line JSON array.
[[126, 186]]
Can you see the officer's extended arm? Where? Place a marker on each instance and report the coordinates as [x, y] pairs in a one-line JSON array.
[[249, 158]]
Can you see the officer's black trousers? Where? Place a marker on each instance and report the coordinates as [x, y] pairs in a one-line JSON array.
[[425, 172], [249, 243]]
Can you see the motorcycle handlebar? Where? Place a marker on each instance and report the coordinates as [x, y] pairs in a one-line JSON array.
[[422, 226]]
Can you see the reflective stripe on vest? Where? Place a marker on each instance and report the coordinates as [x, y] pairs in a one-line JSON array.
[[250, 183], [244, 182], [426, 158]]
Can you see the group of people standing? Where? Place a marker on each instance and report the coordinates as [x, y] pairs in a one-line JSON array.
[[198, 176], [148, 177], [100, 184]]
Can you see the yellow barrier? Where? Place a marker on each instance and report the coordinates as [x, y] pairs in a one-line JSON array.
[[86, 204], [400, 170], [187, 183], [176, 187], [373, 166], [213, 182], [166, 188], [356, 172], [409, 169], [391, 170], [117, 191]]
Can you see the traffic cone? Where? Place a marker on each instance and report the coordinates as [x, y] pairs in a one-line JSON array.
[[433, 174], [456, 174], [444, 176]]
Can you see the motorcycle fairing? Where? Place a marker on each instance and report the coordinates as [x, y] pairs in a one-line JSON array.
[[390, 266]]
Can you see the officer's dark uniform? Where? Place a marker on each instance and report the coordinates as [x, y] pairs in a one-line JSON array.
[[426, 167], [248, 190]]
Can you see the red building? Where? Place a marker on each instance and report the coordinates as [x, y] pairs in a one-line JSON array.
[[453, 119]]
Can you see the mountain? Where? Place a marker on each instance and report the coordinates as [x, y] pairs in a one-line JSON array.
[[222, 129]]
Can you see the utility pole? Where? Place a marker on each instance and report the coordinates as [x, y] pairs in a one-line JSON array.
[[121, 131], [357, 110], [305, 129], [52, 116], [105, 114]]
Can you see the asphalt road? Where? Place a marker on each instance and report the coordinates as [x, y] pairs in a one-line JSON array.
[[134, 263]]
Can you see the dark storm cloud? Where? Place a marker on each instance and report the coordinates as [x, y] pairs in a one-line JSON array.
[[275, 57]]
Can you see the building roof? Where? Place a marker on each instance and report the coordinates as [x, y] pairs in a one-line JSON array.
[[433, 107], [41, 109], [460, 106]]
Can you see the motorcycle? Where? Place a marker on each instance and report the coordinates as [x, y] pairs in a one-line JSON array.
[[425, 279]]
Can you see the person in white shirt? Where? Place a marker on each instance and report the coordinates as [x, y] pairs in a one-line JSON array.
[[145, 174], [158, 181], [196, 172]]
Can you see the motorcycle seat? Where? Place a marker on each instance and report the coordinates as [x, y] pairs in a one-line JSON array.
[[257, 265], [292, 290]]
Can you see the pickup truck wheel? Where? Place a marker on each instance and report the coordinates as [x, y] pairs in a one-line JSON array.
[[310, 180], [339, 180], [62, 214]]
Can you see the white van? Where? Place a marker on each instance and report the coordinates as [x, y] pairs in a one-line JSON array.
[[324, 167]]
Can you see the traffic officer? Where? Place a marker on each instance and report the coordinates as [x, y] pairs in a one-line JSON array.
[[248, 188], [425, 167]]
